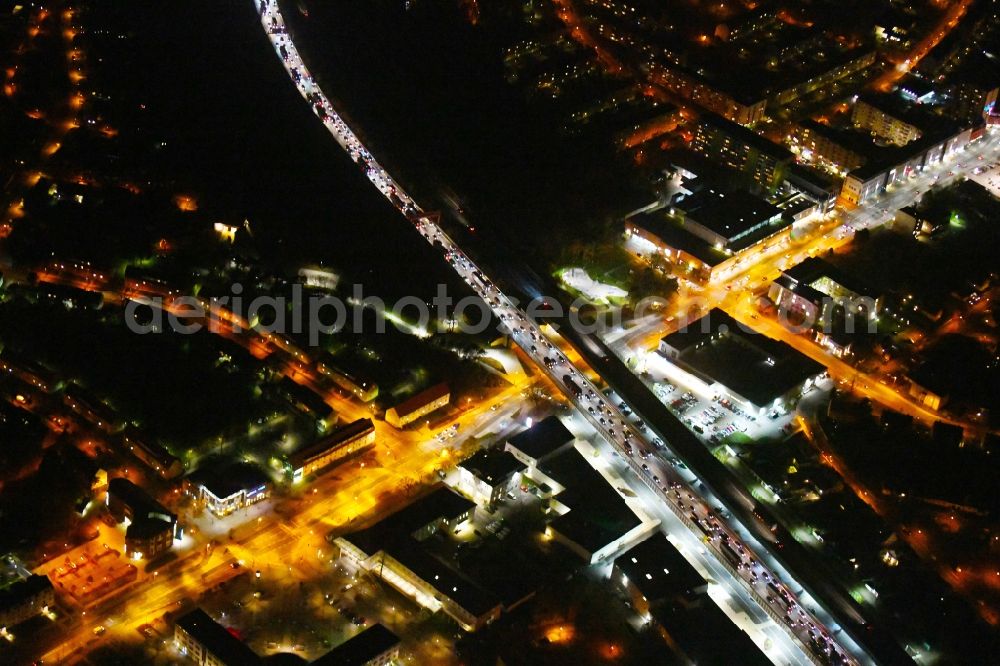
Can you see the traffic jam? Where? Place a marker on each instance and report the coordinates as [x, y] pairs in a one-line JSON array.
[[661, 475]]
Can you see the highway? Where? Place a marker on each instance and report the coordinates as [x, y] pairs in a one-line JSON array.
[[812, 637]]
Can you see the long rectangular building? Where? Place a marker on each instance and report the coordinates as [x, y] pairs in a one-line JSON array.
[[419, 405], [341, 443], [208, 643]]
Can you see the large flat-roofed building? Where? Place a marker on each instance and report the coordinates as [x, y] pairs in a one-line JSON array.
[[152, 528], [727, 219], [25, 599], [762, 162], [375, 646], [337, 446], [895, 166], [544, 439], [705, 635], [754, 370], [225, 488], [391, 550], [708, 233], [592, 519], [207, 643], [655, 233], [488, 474], [654, 571], [418, 406]]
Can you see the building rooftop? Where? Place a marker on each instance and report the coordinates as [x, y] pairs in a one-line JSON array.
[[425, 397], [217, 639], [916, 86], [746, 136], [445, 579], [815, 268], [800, 289], [397, 527], [658, 570], [340, 435], [718, 349], [730, 214], [147, 528], [492, 465], [360, 649], [545, 437], [937, 130], [673, 234], [597, 513], [847, 138], [135, 497], [17, 593], [812, 180], [706, 635], [226, 479]]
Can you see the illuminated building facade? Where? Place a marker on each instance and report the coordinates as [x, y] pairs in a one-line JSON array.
[[228, 488], [418, 406], [340, 444]]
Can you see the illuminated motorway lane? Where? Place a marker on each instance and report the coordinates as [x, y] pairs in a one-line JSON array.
[[811, 637]]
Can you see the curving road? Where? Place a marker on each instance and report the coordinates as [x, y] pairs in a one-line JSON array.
[[812, 639]]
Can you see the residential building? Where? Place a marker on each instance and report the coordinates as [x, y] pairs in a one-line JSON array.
[[813, 285], [823, 75], [309, 402], [207, 643], [973, 91], [25, 599], [842, 150], [419, 405], [154, 456], [91, 409], [741, 106], [762, 163], [886, 119], [375, 646], [361, 388], [337, 446]]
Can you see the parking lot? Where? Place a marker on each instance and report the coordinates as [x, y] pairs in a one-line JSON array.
[[712, 415], [987, 174]]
